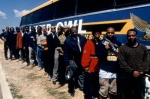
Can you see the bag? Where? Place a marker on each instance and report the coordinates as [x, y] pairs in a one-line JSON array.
[[68, 74], [44, 44], [73, 65]]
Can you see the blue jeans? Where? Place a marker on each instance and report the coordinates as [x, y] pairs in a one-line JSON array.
[[39, 57]]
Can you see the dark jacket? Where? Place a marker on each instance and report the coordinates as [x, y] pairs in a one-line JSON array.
[[108, 58], [5, 35], [52, 43], [31, 39], [71, 49]]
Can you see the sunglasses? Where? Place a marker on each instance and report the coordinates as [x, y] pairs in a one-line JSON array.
[[131, 35], [110, 32]]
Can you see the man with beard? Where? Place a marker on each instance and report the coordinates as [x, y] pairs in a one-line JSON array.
[[108, 65], [133, 60]]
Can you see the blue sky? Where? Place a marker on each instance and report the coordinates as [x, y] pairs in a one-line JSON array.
[[11, 11]]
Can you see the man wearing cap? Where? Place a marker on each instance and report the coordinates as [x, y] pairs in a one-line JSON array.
[[90, 58]]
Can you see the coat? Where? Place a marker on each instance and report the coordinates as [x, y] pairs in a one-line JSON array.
[[89, 58], [72, 51], [19, 42]]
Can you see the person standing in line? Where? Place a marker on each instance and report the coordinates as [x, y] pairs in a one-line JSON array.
[[90, 61], [73, 48], [52, 43], [109, 65], [32, 45], [63, 33], [4, 37], [25, 43], [12, 44], [39, 49], [19, 44], [133, 60], [42, 44]]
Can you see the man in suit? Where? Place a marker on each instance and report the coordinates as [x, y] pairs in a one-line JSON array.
[[73, 48], [52, 43]]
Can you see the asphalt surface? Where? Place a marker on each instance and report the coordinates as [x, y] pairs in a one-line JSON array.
[[1, 96]]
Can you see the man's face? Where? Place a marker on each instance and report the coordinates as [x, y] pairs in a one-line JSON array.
[[26, 29], [66, 29], [131, 36], [11, 29], [53, 29], [74, 31], [97, 35], [110, 33], [44, 30], [7, 28]]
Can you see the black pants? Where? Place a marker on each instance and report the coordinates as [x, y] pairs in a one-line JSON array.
[[22, 53], [13, 51], [5, 50], [133, 88], [48, 62], [91, 85], [74, 81]]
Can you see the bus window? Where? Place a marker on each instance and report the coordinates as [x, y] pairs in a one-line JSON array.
[[29, 19], [47, 12], [36, 16], [23, 21], [85, 6], [129, 2], [65, 8]]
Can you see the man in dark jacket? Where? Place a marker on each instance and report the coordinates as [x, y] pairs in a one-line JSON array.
[[31, 42], [4, 37], [52, 43], [133, 60], [73, 48], [108, 65]]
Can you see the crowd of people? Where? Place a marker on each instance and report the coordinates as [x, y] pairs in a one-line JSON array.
[[106, 69]]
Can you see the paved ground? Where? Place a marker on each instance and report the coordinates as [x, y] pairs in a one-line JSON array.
[[1, 97], [4, 88]]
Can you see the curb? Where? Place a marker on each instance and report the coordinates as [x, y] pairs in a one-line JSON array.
[[4, 85]]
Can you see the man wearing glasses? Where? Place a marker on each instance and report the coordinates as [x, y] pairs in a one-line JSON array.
[[133, 60], [108, 65]]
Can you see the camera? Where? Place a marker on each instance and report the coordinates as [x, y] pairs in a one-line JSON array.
[[113, 48]]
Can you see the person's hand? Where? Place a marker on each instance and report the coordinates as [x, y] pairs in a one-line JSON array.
[[136, 74], [111, 44], [107, 46], [86, 69], [68, 67]]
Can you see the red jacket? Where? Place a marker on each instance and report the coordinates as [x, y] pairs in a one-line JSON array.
[[88, 57]]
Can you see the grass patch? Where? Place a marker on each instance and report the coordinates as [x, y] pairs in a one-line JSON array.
[[14, 91], [33, 76], [57, 94]]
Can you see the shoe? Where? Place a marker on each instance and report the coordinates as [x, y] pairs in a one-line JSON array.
[[10, 59], [28, 64], [54, 82], [17, 60], [23, 61], [45, 73], [49, 78], [72, 94], [40, 68], [6, 58]]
